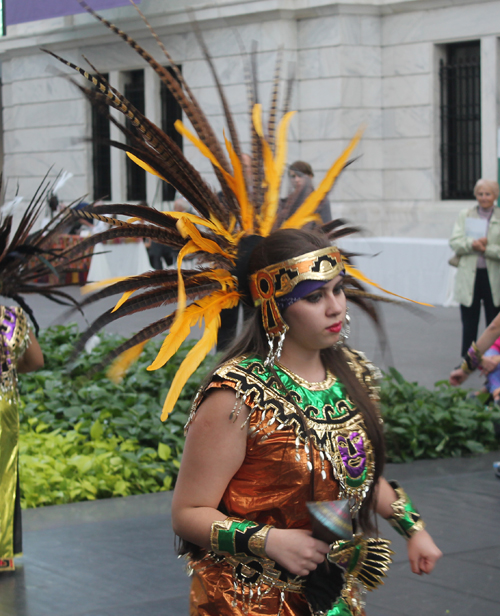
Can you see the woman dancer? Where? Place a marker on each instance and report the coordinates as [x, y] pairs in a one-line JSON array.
[[274, 430], [26, 257], [265, 437], [19, 352]]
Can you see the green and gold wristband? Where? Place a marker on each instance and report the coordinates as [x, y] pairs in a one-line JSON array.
[[237, 537], [405, 517]]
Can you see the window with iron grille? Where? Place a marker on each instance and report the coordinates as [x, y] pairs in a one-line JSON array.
[[136, 176], [101, 151], [460, 81], [170, 112]]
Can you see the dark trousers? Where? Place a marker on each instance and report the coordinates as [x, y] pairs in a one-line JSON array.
[[470, 314]]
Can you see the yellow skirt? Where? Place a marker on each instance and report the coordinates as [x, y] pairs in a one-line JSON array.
[[10, 511]]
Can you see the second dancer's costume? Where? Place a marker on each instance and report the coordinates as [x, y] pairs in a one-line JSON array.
[[14, 339], [25, 257]]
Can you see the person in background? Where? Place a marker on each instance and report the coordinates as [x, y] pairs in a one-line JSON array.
[[19, 352], [478, 270], [301, 176]]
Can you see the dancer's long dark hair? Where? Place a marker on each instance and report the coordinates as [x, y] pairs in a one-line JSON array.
[[280, 246]]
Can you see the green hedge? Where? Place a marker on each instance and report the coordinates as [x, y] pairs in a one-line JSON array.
[[441, 423], [70, 419], [84, 438], [68, 467]]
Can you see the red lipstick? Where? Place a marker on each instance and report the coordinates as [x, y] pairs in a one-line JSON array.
[[336, 327]]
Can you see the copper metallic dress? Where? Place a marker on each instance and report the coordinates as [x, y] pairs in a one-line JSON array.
[[14, 339], [283, 469]]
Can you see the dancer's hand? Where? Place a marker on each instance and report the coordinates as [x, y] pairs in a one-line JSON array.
[[457, 376], [423, 553], [296, 550]]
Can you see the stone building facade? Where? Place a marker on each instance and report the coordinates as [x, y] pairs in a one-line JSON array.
[[358, 62]]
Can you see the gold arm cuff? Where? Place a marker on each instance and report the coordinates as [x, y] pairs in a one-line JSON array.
[[257, 542]]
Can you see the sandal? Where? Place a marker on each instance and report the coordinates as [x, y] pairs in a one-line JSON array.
[[7, 565]]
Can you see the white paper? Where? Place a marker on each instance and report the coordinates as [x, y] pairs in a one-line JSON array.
[[476, 227]]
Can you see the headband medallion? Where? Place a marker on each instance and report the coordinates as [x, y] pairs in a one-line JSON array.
[[279, 279]]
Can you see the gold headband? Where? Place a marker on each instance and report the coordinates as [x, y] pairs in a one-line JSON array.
[[279, 279]]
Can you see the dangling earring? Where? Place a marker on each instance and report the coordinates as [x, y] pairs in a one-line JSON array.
[[269, 361], [274, 355], [345, 331]]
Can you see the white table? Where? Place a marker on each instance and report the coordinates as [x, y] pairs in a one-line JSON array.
[[416, 268], [119, 260]]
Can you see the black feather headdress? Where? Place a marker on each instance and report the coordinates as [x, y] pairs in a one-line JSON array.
[[28, 256]]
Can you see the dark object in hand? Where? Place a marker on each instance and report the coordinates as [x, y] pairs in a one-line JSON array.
[[323, 586]]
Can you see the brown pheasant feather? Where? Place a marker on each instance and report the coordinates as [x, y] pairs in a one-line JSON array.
[[273, 107]]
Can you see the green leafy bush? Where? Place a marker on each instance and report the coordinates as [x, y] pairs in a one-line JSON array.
[[83, 437], [68, 467], [442, 423], [68, 408]]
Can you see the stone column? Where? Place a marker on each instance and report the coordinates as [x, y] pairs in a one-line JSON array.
[[489, 116], [118, 171], [153, 113]]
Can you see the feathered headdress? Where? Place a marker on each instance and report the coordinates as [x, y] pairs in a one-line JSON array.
[[29, 256], [218, 230]]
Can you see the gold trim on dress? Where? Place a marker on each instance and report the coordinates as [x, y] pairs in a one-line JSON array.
[[326, 383]]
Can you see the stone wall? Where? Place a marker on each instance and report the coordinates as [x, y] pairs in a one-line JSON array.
[[372, 63]]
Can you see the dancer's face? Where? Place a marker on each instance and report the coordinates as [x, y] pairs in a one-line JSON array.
[[315, 320]]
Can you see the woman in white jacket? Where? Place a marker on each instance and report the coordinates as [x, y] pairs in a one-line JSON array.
[[478, 275]]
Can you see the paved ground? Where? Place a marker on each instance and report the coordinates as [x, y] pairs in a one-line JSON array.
[[117, 557]]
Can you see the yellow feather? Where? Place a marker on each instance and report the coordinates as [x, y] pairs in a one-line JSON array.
[[257, 119], [223, 277], [282, 141], [123, 299], [204, 307], [93, 286], [197, 354], [187, 229], [193, 359], [122, 363], [239, 188], [301, 216], [179, 126], [145, 166], [355, 273], [196, 243], [274, 177], [189, 248], [213, 224], [178, 333], [236, 182]]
